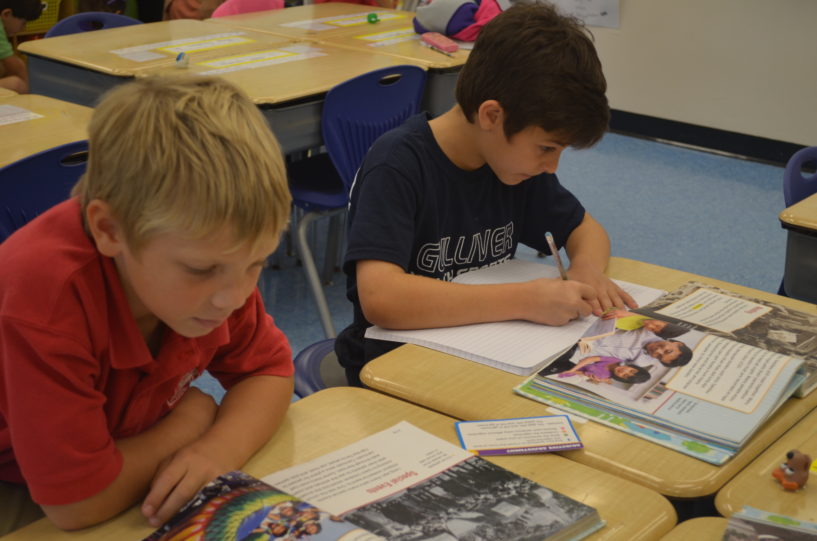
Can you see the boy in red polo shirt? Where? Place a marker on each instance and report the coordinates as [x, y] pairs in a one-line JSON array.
[[112, 302]]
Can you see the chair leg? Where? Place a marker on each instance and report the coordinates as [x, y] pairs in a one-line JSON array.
[[312, 273], [332, 247]]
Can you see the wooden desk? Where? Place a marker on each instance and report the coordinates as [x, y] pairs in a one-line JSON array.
[[343, 25], [755, 487], [61, 122], [470, 391], [81, 67], [290, 86], [317, 21], [800, 222], [698, 529], [6, 93], [339, 416]]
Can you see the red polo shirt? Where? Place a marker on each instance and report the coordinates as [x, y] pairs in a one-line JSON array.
[[75, 372]]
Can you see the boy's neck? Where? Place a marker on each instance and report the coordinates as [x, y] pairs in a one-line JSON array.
[[458, 139]]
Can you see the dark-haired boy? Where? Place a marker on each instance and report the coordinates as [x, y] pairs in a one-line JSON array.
[[15, 14], [436, 198]]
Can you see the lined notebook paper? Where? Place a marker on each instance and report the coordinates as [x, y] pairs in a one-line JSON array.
[[519, 347]]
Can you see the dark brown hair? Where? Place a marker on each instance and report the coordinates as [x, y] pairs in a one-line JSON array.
[[543, 69], [30, 10]]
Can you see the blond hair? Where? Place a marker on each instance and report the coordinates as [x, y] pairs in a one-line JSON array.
[[188, 154]]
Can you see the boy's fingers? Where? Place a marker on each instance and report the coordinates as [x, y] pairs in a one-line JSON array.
[[162, 486]]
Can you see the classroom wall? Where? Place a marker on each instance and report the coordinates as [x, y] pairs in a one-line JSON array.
[[747, 66]]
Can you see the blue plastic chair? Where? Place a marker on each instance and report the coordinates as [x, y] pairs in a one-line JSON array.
[[355, 113], [88, 21], [316, 368], [797, 186], [34, 184]]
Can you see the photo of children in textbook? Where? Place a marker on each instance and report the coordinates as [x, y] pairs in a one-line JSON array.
[[632, 355]]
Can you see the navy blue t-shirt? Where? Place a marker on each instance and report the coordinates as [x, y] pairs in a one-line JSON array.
[[411, 206]]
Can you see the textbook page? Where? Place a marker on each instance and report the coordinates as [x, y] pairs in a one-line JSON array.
[[403, 482], [721, 393], [518, 347], [756, 322]]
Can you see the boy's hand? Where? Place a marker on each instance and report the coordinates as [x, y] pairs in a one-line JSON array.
[[607, 293], [180, 476], [557, 302]]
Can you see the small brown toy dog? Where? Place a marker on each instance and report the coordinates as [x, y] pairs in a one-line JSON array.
[[793, 473]]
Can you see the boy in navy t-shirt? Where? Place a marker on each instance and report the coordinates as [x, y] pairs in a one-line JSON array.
[[436, 198]]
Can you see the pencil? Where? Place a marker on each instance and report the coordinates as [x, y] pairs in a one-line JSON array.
[[555, 252]]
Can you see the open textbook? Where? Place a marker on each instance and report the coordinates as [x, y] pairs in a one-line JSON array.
[[748, 320], [699, 393], [398, 484], [519, 347], [754, 524]]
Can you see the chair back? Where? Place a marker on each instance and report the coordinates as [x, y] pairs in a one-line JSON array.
[[360, 110], [89, 20], [796, 186], [317, 367], [31, 186]]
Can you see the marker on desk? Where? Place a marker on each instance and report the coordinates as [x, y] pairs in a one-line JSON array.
[[182, 60], [372, 18], [555, 252], [433, 48]]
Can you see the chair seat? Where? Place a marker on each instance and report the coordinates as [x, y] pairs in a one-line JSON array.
[[316, 185]]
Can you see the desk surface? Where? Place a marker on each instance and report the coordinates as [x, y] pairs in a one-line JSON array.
[[60, 122], [287, 71], [468, 390], [755, 487], [698, 529], [6, 93], [802, 214], [317, 21], [131, 50], [339, 416], [400, 41]]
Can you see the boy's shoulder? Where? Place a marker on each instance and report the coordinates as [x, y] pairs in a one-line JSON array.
[[45, 259]]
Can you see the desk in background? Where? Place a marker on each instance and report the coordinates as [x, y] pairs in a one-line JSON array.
[[345, 25], [339, 416], [755, 487], [471, 391], [81, 67], [59, 123], [6, 93], [800, 222]]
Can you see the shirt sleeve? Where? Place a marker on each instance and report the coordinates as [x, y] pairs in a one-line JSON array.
[[256, 347], [382, 216], [64, 418]]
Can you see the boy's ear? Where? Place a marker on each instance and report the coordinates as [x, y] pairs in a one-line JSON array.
[[104, 228], [490, 115]]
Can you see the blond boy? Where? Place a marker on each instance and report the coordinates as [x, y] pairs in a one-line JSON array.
[[111, 303]]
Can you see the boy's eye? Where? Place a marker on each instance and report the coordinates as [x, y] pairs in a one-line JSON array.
[[546, 150]]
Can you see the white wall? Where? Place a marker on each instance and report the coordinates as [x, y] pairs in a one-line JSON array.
[[748, 66]]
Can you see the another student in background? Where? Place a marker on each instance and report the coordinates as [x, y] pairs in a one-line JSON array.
[[113, 302], [236, 7], [438, 197], [15, 14], [391, 4]]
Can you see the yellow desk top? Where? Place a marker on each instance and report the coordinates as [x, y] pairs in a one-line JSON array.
[[339, 416], [59, 122], [755, 487], [6, 93], [131, 50], [317, 21], [398, 40], [698, 529], [289, 70], [802, 214], [471, 391]]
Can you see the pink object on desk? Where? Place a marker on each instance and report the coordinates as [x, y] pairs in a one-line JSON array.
[[439, 41], [236, 7]]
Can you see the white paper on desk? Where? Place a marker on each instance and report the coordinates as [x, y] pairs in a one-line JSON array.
[[371, 469], [11, 114], [518, 347]]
